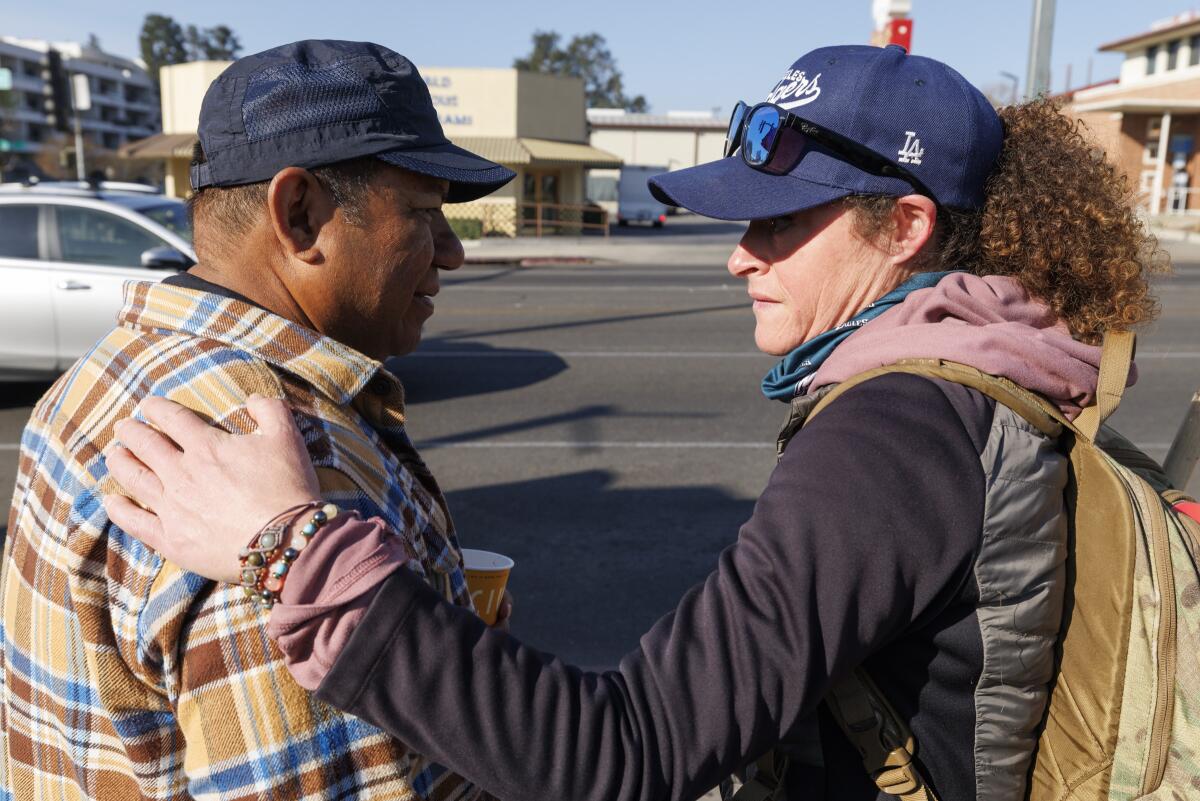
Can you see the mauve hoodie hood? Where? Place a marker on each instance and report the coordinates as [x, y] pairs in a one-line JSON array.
[[990, 323]]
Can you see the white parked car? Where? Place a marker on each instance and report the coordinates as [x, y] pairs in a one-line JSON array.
[[65, 252]]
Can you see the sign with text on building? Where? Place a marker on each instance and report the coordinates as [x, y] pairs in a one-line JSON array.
[[446, 100]]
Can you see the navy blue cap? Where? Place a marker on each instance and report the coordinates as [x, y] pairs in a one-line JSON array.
[[317, 102], [914, 110]]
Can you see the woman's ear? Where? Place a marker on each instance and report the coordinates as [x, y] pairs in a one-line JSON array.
[[298, 207], [914, 219]]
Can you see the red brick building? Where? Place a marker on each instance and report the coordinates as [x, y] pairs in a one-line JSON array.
[[1148, 119]]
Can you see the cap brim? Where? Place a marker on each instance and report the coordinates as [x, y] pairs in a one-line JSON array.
[[728, 189], [471, 177]]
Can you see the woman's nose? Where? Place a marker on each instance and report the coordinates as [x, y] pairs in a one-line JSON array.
[[743, 263]]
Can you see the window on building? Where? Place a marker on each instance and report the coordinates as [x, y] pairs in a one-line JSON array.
[[1146, 182], [37, 133], [1153, 132], [112, 141], [18, 232], [1151, 59], [34, 101], [1173, 54], [32, 69], [89, 236], [1194, 56]]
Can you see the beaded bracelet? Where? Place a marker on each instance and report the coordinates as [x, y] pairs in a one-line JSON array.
[[266, 560]]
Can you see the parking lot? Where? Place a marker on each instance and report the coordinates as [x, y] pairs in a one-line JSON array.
[[602, 424]]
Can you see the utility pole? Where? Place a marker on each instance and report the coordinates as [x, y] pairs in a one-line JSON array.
[[1041, 35], [81, 100]]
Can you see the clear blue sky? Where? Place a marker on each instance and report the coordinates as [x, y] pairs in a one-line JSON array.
[[681, 54]]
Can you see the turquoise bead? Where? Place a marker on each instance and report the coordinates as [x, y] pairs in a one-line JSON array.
[[279, 569], [309, 530]]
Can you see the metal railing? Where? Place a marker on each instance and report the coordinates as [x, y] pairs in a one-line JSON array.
[[559, 218], [510, 218], [1178, 200]]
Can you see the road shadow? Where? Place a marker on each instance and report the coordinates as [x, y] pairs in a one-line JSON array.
[[439, 370], [597, 565], [22, 393]]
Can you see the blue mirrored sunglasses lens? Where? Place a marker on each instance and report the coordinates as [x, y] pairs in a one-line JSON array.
[[761, 130], [735, 127]]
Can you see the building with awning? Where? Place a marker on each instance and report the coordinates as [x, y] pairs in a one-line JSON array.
[[1148, 119], [531, 123], [670, 141]]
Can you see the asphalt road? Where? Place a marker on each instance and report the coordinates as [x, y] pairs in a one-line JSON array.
[[602, 425]]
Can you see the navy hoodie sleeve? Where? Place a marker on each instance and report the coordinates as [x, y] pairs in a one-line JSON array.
[[869, 526]]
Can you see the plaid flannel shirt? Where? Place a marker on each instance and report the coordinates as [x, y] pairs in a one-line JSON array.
[[126, 677]]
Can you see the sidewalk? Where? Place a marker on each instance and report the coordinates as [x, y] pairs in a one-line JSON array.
[[684, 240]]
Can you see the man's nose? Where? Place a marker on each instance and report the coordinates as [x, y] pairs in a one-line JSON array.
[[448, 251]]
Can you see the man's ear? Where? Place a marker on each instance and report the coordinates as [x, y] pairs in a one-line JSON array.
[[914, 218], [298, 206]]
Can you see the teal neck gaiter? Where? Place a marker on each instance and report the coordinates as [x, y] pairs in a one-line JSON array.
[[784, 382]]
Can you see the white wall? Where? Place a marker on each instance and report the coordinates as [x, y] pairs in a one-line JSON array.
[[671, 148]]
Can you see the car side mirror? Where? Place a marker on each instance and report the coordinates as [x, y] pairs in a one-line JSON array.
[[165, 258]]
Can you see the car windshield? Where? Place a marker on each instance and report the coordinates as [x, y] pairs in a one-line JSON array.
[[172, 215]]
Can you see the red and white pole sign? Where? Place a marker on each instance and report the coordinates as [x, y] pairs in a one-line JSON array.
[[899, 31], [893, 23]]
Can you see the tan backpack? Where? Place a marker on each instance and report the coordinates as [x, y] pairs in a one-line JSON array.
[[1123, 719]]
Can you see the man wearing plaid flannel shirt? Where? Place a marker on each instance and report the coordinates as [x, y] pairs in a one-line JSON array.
[[319, 178]]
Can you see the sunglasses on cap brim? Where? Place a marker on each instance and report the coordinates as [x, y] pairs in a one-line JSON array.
[[773, 140]]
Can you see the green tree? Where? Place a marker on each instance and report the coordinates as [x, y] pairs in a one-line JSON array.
[[219, 43], [586, 57], [162, 43]]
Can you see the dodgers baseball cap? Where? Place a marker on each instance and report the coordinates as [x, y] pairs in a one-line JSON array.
[[317, 102], [913, 110]]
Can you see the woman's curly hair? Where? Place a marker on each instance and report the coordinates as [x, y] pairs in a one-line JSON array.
[[1059, 218]]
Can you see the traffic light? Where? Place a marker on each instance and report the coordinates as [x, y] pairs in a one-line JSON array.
[[58, 104]]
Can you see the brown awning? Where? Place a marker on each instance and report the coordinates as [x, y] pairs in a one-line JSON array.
[[159, 146], [500, 149], [523, 150]]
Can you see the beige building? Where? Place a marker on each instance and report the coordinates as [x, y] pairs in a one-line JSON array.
[[668, 141], [1148, 119], [534, 124]]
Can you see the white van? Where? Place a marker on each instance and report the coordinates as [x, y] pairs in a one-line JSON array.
[[634, 201]]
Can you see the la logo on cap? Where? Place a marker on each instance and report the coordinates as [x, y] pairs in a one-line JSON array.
[[912, 151]]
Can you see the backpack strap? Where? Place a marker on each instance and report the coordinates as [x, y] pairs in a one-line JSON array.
[[887, 747], [1115, 359], [767, 782], [1040, 413]]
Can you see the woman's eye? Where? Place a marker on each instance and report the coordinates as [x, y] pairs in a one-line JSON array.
[[777, 225]]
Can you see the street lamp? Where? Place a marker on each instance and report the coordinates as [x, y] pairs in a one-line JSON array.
[[1016, 84]]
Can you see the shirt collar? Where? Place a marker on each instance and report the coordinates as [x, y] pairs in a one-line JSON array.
[[335, 370]]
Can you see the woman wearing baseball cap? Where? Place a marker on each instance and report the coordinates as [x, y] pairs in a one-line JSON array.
[[913, 528]]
